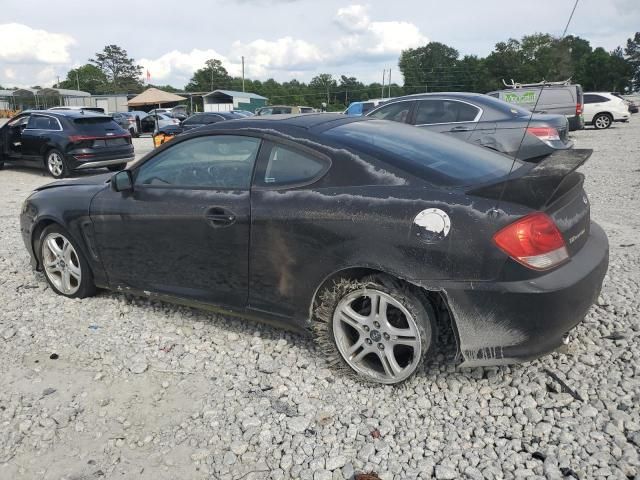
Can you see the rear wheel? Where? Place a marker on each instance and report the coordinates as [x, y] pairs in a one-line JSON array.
[[64, 266], [602, 121], [117, 168], [56, 164], [378, 328]]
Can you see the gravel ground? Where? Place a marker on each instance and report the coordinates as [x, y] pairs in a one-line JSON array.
[[120, 387]]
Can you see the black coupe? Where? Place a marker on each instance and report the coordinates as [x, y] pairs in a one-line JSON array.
[[351, 228]]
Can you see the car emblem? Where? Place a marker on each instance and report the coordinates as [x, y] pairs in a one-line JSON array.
[[585, 200]]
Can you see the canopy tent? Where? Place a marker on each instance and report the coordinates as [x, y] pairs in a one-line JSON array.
[[154, 96]]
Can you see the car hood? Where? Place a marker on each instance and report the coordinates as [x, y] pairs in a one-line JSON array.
[[82, 181]]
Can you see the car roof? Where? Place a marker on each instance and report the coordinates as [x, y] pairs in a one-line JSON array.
[[67, 113], [305, 121]]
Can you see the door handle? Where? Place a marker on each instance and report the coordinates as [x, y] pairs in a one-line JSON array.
[[219, 217], [460, 129]]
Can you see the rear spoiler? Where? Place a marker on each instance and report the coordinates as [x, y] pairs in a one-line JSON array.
[[537, 187]]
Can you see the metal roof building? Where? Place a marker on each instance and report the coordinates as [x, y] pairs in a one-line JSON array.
[[23, 98], [227, 100]]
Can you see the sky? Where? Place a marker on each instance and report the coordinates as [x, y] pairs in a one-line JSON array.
[[281, 39]]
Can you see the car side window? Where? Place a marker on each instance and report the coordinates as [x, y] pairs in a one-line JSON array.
[[593, 98], [397, 112], [216, 161], [287, 166], [20, 121], [430, 112], [39, 122]]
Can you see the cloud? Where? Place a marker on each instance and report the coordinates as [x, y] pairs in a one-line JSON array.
[[176, 66], [284, 53], [353, 18], [368, 39], [22, 44]]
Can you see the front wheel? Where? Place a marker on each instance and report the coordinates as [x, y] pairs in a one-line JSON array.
[[117, 168], [56, 164], [378, 328], [602, 121], [65, 268]]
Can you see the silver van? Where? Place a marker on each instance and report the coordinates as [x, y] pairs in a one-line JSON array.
[[562, 98]]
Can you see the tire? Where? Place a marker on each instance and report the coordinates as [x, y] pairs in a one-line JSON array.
[[65, 267], [117, 168], [384, 347], [602, 121], [55, 163]]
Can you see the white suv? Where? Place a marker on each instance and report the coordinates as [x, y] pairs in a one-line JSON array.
[[601, 109]]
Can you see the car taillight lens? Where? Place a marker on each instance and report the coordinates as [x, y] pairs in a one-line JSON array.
[[546, 134], [578, 109], [534, 241]]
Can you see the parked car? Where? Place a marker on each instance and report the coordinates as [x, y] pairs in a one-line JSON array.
[[152, 122], [634, 102], [63, 141], [562, 98], [128, 121], [601, 109], [631, 105], [358, 109], [80, 109], [481, 120], [179, 112], [282, 109], [200, 119], [358, 230], [244, 113]]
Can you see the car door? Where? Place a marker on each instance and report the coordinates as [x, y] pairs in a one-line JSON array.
[[40, 131], [453, 117], [184, 228], [12, 136]]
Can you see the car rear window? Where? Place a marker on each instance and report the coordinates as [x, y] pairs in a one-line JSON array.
[[440, 159], [96, 124]]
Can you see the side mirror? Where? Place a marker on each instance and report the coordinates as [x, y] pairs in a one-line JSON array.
[[122, 182]]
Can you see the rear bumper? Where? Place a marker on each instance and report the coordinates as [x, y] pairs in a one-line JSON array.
[[98, 160], [576, 122], [510, 322]]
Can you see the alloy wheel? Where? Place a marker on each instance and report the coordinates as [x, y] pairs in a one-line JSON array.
[[377, 336], [55, 164], [61, 263], [603, 121]]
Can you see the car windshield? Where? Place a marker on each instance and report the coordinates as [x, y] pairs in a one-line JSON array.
[[96, 125], [438, 158]]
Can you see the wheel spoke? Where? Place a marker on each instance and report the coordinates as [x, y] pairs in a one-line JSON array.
[[74, 271], [52, 245], [406, 340], [66, 281], [363, 353], [349, 316], [389, 363]]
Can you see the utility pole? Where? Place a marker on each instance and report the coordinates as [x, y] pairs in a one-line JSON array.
[[243, 73], [211, 79], [58, 84], [389, 83], [77, 80], [384, 71]]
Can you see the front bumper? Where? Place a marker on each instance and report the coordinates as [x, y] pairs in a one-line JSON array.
[[511, 322]]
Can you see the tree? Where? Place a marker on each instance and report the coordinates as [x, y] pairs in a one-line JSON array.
[[213, 76], [323, 83], [88, 78], [120, 70], [351, 90], [429, 68], [632, 53]]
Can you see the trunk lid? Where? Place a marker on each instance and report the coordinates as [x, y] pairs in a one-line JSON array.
[[552, 186]]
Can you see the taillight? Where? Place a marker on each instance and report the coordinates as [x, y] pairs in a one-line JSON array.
[[80, 138], [534, 241], [546, 134], [578, 109]]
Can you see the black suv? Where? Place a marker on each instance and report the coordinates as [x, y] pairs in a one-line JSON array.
[[65, 140]]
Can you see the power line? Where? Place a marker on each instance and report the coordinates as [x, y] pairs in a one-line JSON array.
[[569, 21]]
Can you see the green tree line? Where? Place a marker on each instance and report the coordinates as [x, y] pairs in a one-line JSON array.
[[434, 67]]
